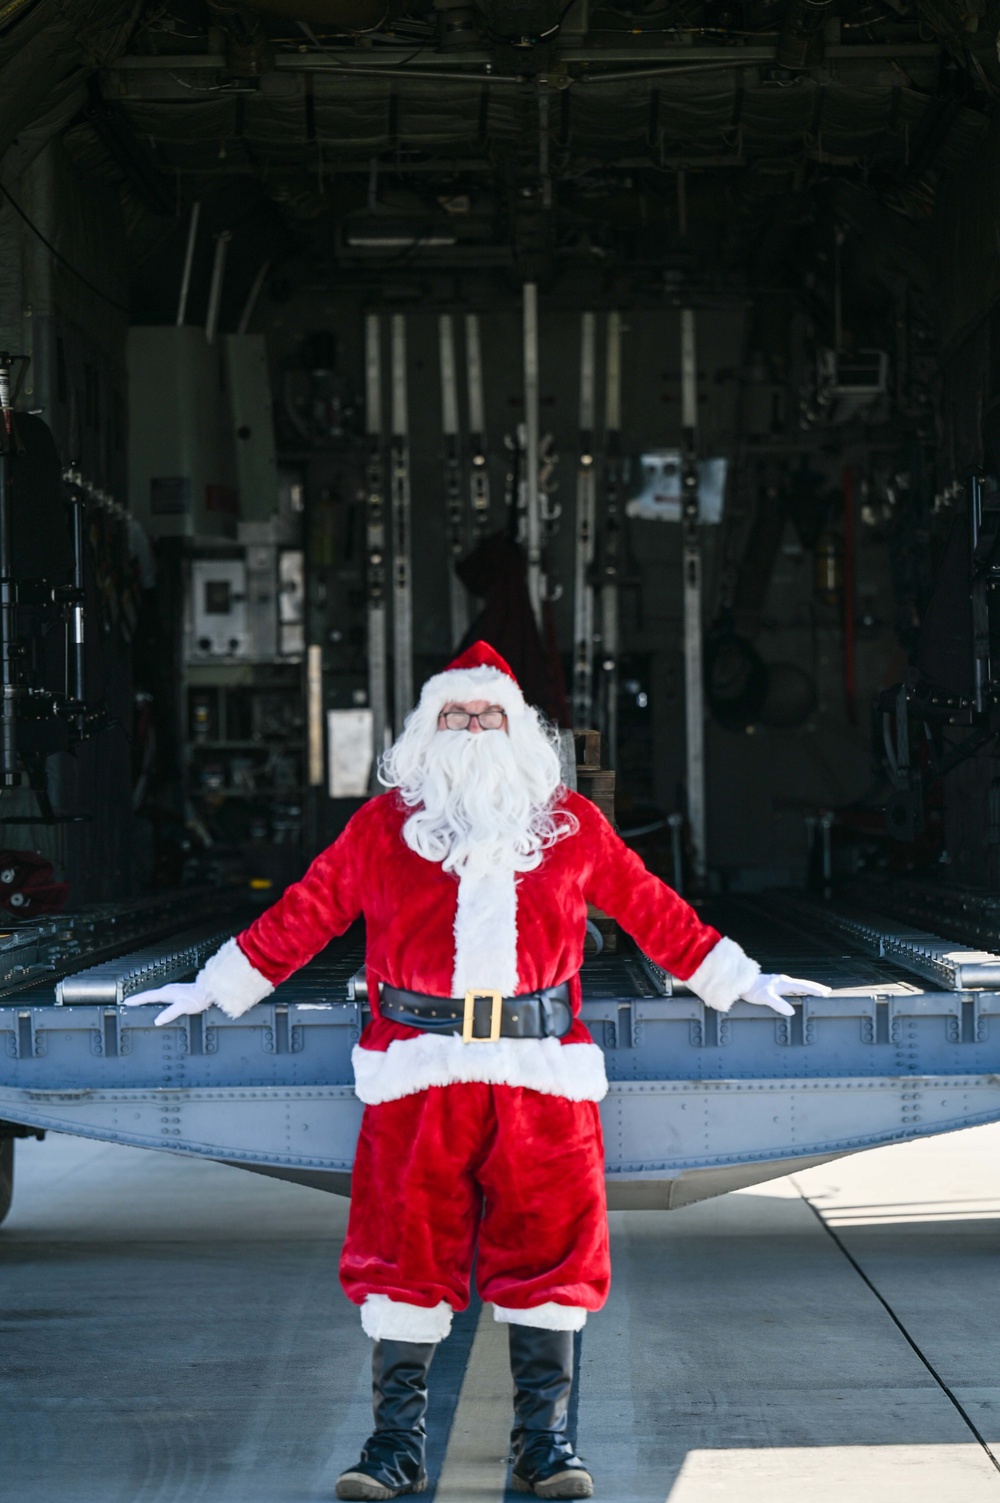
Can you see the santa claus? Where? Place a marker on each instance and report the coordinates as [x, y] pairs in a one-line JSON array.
[[481, 1133]]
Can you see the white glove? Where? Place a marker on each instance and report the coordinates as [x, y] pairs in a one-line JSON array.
[[768, 991], [185, 998]]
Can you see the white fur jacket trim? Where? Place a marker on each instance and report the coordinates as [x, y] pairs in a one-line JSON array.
[[385, 1319], [232, 982], [575, 1071], [724, 975], [547, 1317]]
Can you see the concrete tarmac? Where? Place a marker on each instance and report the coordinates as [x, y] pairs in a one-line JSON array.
[[173, 1331]]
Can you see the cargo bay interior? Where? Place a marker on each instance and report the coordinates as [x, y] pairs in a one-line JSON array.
[[209, 206], [656, 341]]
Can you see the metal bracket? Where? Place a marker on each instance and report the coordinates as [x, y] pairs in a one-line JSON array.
[[109, 1040], [970, 1025], [624, 1028], [282, 1037], [712, 1030], [195, 1038], [800, 1028], [27, 1040]]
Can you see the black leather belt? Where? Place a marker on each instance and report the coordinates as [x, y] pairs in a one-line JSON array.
[[482, 1017]]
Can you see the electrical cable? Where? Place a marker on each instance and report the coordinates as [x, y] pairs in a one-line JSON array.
[[339, 62], [122, 307]]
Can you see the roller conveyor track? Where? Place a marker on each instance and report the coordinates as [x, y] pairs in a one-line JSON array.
[[111, 981], [959, 913], [949, 963], [784, 931], [37, 956]]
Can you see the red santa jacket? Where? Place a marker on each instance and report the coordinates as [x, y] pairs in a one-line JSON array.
[[427, 932]]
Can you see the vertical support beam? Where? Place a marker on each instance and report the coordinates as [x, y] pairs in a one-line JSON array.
[[533, 518], [215, 290], [182, 300], [850, 675], [375, 535], [479, 473], [314, 705], [8, 674], [980, 605], [402, 596], [77, 635], [256, 287], [583, 585], [694, 718], [454, 508], [612, 539]]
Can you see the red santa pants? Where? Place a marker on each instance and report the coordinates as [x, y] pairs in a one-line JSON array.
[[518, 1172]]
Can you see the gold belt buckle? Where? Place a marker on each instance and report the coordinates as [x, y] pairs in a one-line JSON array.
[[469, 1036]]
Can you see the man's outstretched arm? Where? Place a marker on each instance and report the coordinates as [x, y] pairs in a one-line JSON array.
[[279, 941], [670, 932]]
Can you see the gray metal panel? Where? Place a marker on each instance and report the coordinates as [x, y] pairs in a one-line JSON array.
[[251, 414]]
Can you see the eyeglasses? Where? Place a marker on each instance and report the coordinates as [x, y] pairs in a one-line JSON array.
[[487, 720]]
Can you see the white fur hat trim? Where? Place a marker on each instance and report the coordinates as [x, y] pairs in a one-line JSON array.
[[459, 685]]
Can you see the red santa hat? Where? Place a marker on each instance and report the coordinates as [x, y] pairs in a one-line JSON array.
[[477, 673]]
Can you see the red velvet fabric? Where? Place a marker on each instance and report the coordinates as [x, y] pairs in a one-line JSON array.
[[480, 655], [409, 907], [521, 1173]]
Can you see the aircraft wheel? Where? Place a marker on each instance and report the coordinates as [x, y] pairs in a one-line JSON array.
[[6, 1175]]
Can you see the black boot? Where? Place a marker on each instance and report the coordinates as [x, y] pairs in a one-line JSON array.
[[541, 1363], [392, 1460]]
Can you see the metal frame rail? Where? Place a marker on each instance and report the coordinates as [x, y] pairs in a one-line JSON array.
[[533, 516], [479, 475], [583, 583], [454, 508], [694, 686], [375, 536], [611, 541], [402, 575]]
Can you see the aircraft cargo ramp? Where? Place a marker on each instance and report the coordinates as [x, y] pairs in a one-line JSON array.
[[907, 1045]]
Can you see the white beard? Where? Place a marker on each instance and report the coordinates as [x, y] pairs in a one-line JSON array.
[[484, 810]]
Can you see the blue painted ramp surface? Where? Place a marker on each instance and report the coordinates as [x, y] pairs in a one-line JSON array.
[[699, 1101]]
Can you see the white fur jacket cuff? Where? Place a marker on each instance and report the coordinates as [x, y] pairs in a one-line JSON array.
[[232, 982], [724, 975]]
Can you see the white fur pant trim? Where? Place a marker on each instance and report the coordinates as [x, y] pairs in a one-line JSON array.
[[385, 1319], [547, 1317], [724, 975], [574, 1071]]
